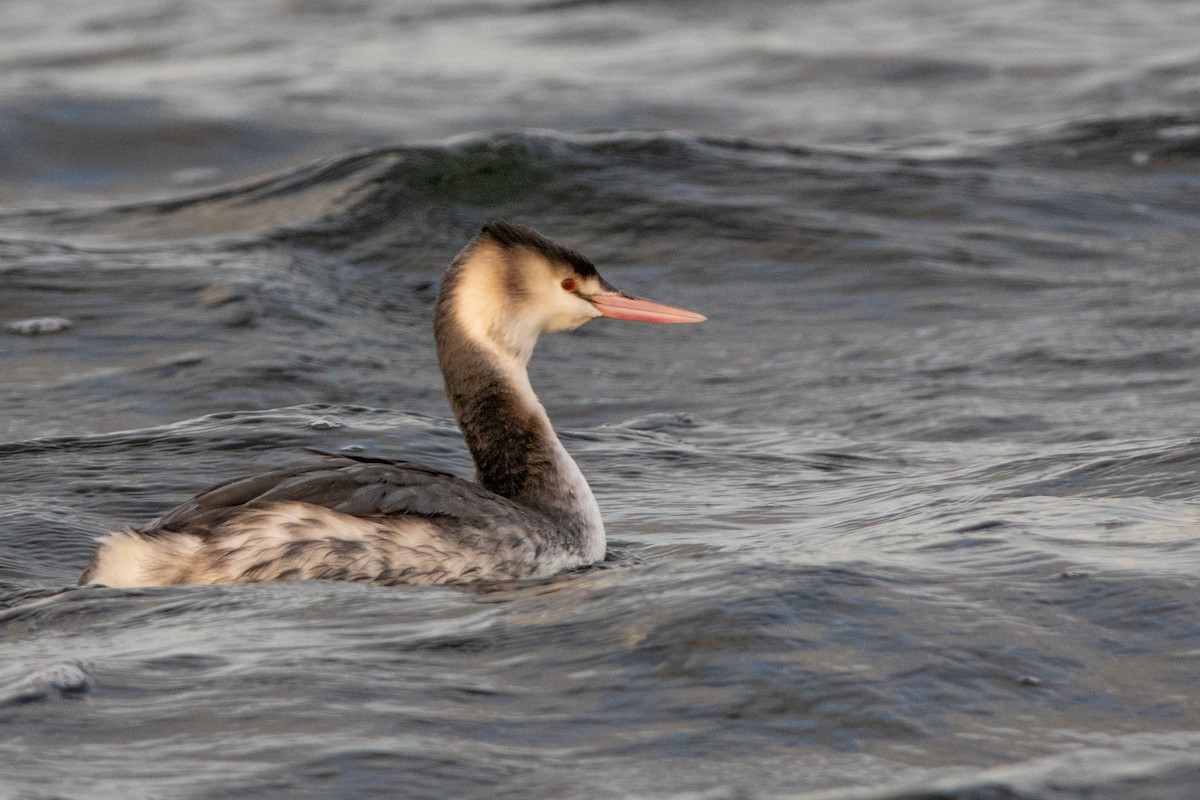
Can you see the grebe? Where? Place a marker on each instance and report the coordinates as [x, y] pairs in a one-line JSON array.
[[529, 514]]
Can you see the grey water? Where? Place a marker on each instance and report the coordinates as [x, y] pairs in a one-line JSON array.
[[913, 515]]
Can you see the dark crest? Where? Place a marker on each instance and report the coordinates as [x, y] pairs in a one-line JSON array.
[[512, 237]]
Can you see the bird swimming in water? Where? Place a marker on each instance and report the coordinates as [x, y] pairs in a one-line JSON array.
[[529, 514]]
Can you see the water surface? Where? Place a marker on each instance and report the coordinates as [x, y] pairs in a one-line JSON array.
[[913, 514]]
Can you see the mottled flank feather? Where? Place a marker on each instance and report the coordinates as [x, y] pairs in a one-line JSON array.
[[384, 523]]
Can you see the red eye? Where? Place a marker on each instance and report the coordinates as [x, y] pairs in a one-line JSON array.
[[568, 284]]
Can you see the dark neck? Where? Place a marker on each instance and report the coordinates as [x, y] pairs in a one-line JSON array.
[[517, 454]]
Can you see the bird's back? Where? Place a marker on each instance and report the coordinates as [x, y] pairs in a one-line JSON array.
[[366, 520]]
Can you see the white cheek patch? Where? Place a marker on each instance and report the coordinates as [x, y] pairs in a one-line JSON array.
[[511, 329], [573, 312]]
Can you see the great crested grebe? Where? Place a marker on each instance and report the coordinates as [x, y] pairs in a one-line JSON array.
[[530, 513]]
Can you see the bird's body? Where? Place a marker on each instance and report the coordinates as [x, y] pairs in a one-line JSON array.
[[530, 513]]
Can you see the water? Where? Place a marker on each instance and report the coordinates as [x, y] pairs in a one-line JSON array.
[[912, 516]]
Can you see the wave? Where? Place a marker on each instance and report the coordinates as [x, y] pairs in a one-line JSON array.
[[378, 201]]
